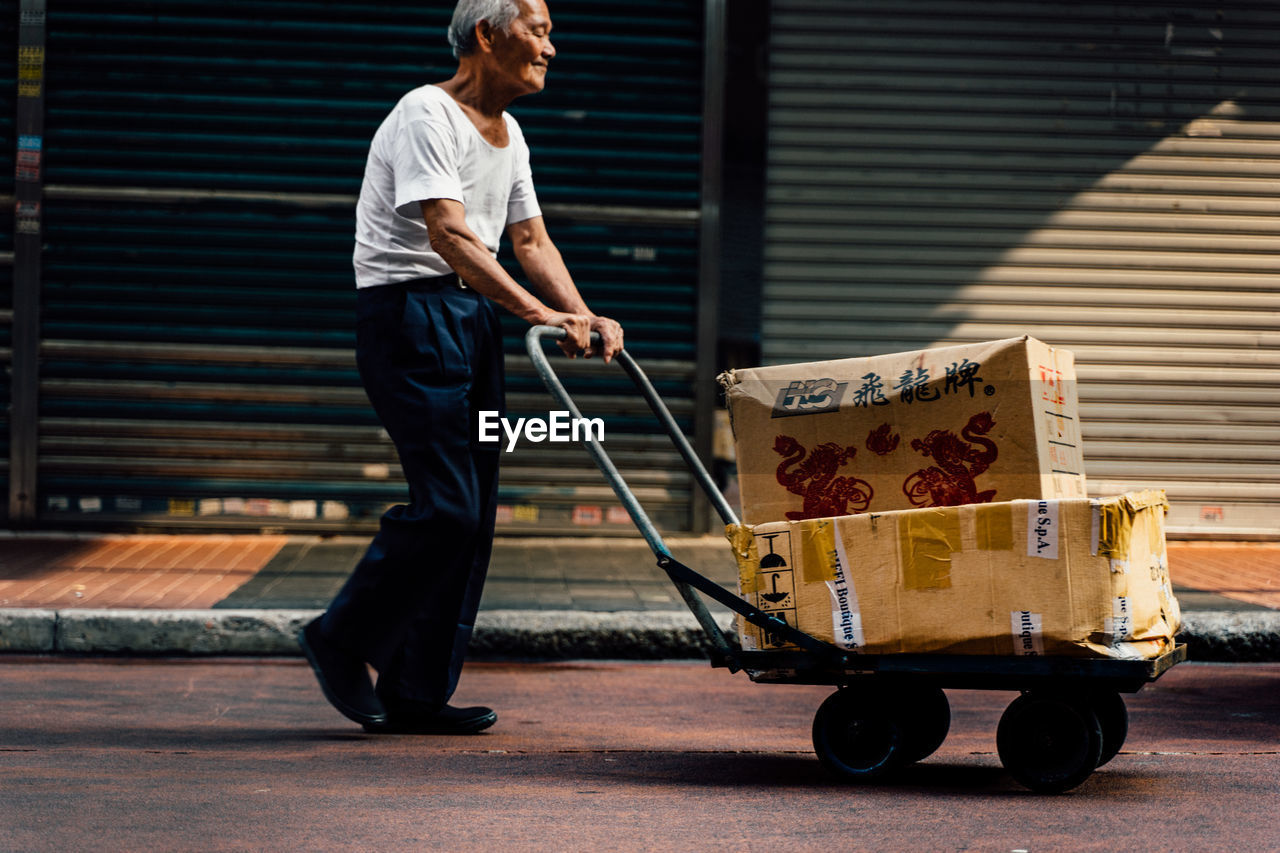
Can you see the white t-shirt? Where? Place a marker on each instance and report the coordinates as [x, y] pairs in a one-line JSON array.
[[427, 148]]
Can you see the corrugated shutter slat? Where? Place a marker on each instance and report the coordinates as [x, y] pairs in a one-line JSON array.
[[203, 162], [1101, 176]]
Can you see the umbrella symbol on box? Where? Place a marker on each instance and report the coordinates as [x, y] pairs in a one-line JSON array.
[[775, 596], [771, 560]]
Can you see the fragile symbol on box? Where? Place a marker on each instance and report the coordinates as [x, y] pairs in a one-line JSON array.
[[775, 583], [774, 640], [779, 591]]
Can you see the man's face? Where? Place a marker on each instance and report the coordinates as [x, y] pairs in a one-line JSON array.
[[524, 52]]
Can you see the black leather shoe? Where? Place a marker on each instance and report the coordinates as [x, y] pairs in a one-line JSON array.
[[404, 720], [343, 678]]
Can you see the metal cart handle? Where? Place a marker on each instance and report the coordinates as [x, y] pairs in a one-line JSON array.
[[533, 342], [685, 579]]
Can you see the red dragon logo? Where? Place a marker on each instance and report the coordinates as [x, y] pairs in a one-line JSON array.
[[812, 475], [882, 441], [952, 481]]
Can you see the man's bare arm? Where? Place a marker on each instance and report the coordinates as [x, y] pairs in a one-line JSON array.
[[542, 263], [462, 250]]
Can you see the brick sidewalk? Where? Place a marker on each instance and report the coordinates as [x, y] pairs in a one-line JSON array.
[[1242, 571], [280, 572], [147, 572]]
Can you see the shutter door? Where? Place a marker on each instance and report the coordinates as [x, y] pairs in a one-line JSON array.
[[8, 150], [203, 163], [1102, 176]]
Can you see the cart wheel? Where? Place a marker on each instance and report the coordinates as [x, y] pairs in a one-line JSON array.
[[856, 736], [1049, 743], [926, 718], [1114, 719]]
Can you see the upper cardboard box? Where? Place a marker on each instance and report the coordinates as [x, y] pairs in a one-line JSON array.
[[955, 425]]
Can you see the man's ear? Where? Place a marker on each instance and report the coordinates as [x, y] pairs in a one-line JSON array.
[[484, 35]]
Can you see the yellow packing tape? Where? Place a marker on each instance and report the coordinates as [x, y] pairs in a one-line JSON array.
[[818, 546], [926, 541], [993, 527], [1115, 520], [744, 551]]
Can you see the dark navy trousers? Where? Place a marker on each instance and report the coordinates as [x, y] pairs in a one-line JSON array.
[[430, 356]]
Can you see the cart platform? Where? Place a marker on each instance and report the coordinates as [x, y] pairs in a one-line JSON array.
[[891, 710]]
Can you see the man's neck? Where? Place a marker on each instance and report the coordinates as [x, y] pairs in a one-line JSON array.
[[469, 87]]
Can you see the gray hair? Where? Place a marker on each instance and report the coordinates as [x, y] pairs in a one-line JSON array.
[[462, 29]]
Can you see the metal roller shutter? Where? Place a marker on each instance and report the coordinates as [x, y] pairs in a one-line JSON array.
[[203, 162], [1102, 176], [8, 150]]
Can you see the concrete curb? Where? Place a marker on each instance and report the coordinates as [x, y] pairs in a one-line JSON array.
[[1228, 636], [499, 633], [528, 634]]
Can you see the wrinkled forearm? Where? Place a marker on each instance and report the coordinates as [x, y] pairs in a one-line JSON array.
[[462, 250], [549, 275]]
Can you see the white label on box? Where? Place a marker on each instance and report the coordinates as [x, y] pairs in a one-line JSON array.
[[1042, 529], [1028, 633], [1120, 625], [1119, 567], [846, 618], [1124, 651]]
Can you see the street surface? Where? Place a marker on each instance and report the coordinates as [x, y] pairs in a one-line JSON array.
[[133, 754]]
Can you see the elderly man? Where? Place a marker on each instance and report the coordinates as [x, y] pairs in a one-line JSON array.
[[447, 171]]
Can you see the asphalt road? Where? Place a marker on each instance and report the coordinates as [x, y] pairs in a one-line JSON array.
[[245, 755]]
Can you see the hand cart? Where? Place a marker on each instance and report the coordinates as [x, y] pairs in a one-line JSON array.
[[891, 710]]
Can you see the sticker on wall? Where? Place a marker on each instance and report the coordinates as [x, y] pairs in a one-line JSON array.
[[30, 71], [182, 507], [27, 166], [588, 516]]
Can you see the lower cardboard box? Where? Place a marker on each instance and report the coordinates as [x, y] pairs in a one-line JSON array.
[[1078, 577]]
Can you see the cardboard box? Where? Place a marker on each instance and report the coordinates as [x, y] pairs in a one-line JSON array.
[[1085, 578], [955, 425]]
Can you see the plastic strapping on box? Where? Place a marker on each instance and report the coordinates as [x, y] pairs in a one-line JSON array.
[[993, 527], [846, 617], [926, 541], [1095, 526]]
